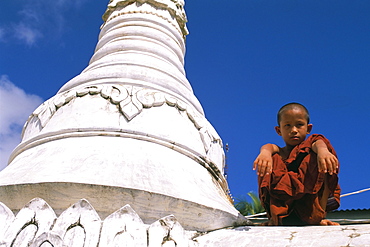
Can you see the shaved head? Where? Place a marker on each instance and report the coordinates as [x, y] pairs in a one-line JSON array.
[[292, 106]]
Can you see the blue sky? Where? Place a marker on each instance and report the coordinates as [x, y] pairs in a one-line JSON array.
[[244, 59]]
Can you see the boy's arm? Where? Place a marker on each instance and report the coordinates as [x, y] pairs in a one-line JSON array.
[[263, 162], [327, 162]]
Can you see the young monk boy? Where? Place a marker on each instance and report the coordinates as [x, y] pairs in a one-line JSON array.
[[298, 183]]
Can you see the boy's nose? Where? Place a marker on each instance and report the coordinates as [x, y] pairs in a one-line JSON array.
[[294, 129]]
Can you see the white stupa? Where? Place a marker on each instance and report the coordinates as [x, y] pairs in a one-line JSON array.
[[127, 130]]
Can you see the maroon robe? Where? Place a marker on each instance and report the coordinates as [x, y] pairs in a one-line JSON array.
[[291, 194]]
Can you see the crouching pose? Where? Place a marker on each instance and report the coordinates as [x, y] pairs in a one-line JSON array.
[[298, 183]]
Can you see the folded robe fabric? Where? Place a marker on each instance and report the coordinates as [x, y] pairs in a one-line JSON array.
[[294, 188]]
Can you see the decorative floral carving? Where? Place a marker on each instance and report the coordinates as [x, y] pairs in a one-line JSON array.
[[131, 101], [34, 219], [175, 7], [150, 98], [128, 228], [169, 230], [6, 217], [79, 223], [34, 226]]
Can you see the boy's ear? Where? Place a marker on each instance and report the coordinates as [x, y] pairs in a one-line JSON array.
[[278, 131], [309, 128]]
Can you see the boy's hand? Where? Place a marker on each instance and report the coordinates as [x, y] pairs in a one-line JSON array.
[[263, 163], [327, 162]]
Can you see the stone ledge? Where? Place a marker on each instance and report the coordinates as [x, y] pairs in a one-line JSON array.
[[349, 235]]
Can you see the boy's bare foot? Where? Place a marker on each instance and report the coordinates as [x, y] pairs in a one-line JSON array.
[[326, 222], [267, 223]]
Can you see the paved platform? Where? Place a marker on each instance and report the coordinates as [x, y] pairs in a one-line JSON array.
[[346, 235]]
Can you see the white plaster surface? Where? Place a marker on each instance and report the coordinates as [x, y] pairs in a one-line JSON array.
[[323, 236], [128, 129], [167, 186]]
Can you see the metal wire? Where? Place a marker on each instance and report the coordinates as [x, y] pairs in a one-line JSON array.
[[348, 194], [355, 192]]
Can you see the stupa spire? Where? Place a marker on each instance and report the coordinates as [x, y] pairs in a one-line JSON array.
[[141, 42], [127, 130]]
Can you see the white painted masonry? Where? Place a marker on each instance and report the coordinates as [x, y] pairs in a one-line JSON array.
[[127, 130]]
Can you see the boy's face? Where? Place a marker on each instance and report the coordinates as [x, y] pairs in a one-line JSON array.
[[293, 126]]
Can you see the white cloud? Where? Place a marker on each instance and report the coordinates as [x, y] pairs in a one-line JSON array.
[[27, 34], [2, 34], [39, 18], [30, 14], [16, 106]]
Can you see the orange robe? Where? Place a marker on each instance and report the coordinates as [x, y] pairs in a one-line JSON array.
[[291, 194]]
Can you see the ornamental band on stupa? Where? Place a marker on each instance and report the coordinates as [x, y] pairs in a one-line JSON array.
[[127, 130]]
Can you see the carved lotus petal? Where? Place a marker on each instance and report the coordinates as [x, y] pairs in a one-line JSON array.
[[79, 223], [33, 219], [47, 239], [167, 231], [129, 109], [123, 228], [6, 218]]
